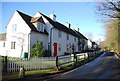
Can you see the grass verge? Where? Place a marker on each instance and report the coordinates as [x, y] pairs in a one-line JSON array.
[[15, 75]]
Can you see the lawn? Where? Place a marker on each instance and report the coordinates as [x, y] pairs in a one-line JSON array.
[[15, 75], [36, 63]]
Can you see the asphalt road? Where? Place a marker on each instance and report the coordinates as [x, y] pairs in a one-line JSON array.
[[107, 66]]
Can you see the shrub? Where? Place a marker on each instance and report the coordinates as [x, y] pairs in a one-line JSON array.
[[46, 53], [37, 50]]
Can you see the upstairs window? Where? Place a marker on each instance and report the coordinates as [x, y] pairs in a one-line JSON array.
[[40, 26], [67, 36], [74, 38], [13, 45], [59, 33], [14, 27]]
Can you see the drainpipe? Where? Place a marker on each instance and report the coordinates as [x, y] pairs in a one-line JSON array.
[[51, 40], [29, 45]]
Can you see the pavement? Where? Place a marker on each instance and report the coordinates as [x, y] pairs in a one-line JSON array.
[[106, 67]]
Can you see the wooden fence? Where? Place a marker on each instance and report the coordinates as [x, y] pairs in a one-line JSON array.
[[44, 63], [31, 64], [65, 59]]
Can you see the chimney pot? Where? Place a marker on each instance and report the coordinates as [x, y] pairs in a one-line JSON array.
[[53, 17], [67, 24], [78, 29]]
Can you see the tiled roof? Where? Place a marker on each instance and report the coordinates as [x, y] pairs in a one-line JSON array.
[[56, 24], [35, 19], [61, 26], [27, 19], [2, 36], [81, 35]]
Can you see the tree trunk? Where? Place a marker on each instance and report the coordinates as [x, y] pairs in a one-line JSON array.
[[21, 51]]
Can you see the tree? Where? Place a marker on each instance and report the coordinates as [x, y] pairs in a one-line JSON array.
[[112, 34], [110, 11], [37, 50], [21, 41], [89, 35]]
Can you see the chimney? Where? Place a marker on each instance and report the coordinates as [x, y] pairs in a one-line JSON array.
[[53, 17], [67, 24], [78, 29]]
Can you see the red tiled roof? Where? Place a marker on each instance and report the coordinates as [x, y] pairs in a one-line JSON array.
[[2, 36]]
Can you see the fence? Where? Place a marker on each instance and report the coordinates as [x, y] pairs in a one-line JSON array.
[[31, 64], [44, 63], [82, 56]]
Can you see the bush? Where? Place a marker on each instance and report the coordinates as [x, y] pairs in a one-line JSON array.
[[66, 53], [46, 53], [37, 50]]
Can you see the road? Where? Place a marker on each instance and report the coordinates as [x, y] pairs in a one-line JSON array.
[[107, 66]]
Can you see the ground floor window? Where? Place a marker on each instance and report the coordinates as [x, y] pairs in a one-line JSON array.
[[67, 47], [13, 45], [3, 44], [59, 47]]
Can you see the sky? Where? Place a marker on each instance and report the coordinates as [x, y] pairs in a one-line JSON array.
[[80, 14]]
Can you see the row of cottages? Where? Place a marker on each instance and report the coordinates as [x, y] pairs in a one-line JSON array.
[[23, 31]]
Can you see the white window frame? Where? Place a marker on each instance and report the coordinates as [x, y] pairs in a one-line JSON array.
[[59, 47], [59, 33], [67, 36], [40, 26], [67, 47], [13, 45], [14, 27], [3, 44], [75, 38]]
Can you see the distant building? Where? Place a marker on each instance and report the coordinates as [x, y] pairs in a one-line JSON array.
[[2, 43], [2, 36]]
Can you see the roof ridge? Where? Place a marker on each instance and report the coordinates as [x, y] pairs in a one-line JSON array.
[[23, 13], [55, 23]]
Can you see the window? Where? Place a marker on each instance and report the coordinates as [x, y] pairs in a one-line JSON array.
[[67, 47], [67, 37], [40, 26], [59, 47], [74, 38], [41, 44], [13, 45], [14, 27], [59, 33], [3, 44]]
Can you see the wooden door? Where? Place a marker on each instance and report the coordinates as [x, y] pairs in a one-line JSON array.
[[55, 49]]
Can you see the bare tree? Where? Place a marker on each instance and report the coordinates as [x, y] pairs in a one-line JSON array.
[[21, 41], [109, 8], [89, 35]]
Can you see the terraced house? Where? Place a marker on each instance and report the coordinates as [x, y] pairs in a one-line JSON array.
[[23, 31]]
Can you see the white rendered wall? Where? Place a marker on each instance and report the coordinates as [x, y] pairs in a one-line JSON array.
[[36, 36], [63, 41], [22, 28]]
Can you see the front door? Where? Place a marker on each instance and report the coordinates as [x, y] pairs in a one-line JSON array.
[[55, 49]]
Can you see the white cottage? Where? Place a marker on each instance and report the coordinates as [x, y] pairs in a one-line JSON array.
[[23, 31]]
